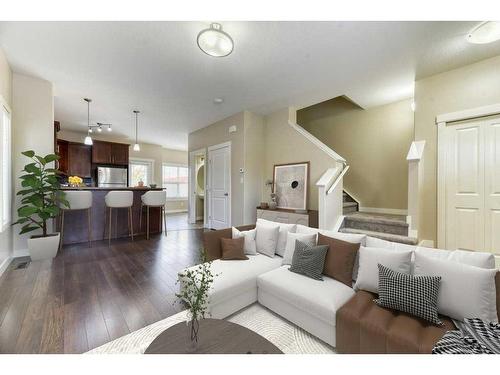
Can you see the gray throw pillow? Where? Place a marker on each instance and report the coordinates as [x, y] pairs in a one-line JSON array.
[[309, 260], [415, 295]]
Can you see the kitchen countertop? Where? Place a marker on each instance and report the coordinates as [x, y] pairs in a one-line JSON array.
[[109, 188]]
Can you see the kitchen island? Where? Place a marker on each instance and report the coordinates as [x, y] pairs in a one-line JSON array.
[[75, 222]]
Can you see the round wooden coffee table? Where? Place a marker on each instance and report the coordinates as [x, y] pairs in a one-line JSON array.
[[215, 337]]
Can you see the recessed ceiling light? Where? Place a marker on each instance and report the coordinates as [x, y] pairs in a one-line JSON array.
[[215, 42], [486, 32], [218, 100]]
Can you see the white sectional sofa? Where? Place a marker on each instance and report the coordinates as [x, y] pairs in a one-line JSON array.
[[308, 303]]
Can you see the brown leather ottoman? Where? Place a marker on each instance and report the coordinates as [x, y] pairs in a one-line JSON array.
[[363, 327]]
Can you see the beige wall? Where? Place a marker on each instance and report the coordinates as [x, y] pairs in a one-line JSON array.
[[219, 133], [468, 87], [32, 129], [158, 154], [6, 240], [374, 142], [254, 160], [284, 145]]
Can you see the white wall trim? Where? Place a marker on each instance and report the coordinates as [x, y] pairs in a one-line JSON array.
[[4, 265], [176, 211], [377, 210], [21, 253], [426, 243], [315, 141], [441, 188], [192, 187], [208, 179], [441, 122], [467, 114]]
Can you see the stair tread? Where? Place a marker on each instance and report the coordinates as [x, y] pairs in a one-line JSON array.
[[383, 236], [350, 204], [376, 219]]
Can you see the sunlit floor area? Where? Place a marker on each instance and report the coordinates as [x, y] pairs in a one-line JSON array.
[[86, 297]]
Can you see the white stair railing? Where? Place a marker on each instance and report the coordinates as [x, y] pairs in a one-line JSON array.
[[415, 160], [330, 185]]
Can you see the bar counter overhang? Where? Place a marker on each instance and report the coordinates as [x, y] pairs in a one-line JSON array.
[[75, 222]]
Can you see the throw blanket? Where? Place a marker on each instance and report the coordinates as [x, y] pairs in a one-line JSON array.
[[473, 336]]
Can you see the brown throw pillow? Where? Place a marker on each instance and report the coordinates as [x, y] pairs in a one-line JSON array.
[[232, 248], [340, 258]]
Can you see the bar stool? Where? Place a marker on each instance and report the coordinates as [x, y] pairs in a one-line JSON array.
[[119, 199], [153, 199], [78, 200]]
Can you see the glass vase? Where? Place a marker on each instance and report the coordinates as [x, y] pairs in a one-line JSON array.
[[192, 342]]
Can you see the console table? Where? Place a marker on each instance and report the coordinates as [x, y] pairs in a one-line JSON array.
[[280, 215]]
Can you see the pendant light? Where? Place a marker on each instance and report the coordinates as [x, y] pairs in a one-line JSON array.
[[88, 139], [136, 145]]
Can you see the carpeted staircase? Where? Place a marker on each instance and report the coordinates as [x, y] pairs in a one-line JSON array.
[[387, 227]]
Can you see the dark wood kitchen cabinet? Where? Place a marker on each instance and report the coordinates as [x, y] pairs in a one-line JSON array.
[[119, 153], [62, 151], [101, 152], [79, 160], [110, 153]]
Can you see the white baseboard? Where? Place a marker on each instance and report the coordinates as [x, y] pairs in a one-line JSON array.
[[21, 253], [377, 210], [426, 243], [4, 265], [176, 211], [412, 233]]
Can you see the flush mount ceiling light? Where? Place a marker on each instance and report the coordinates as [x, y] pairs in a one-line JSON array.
[[215, 42], [486, 32], [218, 100], [136, 144]]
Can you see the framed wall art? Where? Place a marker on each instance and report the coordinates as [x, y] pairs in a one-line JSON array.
[[290, 183]]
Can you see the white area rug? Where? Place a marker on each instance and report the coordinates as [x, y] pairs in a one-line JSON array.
[[289, 338]]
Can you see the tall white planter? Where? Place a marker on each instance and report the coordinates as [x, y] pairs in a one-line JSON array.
[[42, 248]]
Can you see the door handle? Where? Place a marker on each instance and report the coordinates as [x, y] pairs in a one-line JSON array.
[[226, 194]]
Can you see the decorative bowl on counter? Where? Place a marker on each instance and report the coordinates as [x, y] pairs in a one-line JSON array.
[[75, 181], [152, 186]]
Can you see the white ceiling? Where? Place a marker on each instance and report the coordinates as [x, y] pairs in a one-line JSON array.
[[156, 67]]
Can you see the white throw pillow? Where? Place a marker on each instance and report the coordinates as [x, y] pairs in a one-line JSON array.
[[309, 239], [370, 257], [306, 230], [465, 291], [266, 238], [284, 229], [348, 237], [471, 258], [249, 246], [384, 244]]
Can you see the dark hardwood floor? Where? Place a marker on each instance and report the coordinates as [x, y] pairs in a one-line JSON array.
[[86, 297]]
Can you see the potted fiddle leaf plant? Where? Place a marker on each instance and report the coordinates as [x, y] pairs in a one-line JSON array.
[[41, 198]]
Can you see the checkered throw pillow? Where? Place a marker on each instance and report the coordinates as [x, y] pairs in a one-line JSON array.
[[309, 260], [415, 295]]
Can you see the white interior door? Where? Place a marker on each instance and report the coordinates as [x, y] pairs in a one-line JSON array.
[[219, 186], [492, 186], [465, 168]]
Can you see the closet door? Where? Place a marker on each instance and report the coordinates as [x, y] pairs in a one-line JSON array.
[[492, 185], [465, 211]]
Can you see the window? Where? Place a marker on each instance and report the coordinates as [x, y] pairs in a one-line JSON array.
[[175, 181], [140, 170], [5, 169]]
